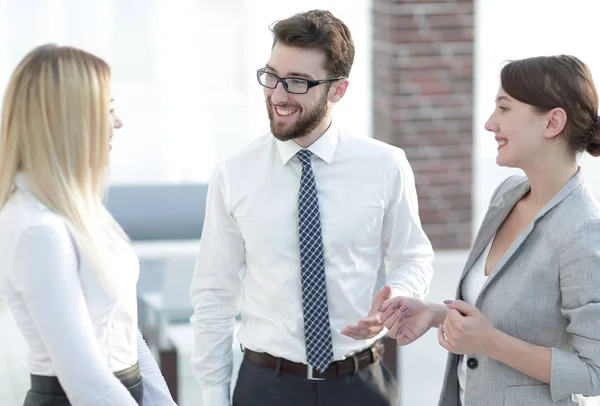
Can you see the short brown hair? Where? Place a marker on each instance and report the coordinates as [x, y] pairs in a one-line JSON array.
[[321, 30], [548, 82]]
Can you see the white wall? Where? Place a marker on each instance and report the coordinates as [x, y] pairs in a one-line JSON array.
[[513, 29], [183, 72]]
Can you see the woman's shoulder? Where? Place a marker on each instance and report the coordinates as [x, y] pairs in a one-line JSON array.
[[28, 227], [22, 213], [581, 210]]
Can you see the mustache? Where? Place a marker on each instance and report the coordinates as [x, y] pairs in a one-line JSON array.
[[284, 105]]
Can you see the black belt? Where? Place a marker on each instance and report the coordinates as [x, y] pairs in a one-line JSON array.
[[49, 385], [337, 368]]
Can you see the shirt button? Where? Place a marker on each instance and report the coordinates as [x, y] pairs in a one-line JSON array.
[[472, 363]]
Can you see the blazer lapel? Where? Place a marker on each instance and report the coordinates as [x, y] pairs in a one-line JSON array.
[[495, 216], [511, 197], [492, 220]]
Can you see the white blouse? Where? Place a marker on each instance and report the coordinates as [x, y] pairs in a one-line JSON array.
[[74, 329], [469, 290]]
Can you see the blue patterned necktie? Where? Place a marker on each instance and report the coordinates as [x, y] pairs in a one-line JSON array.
[[317, 329]]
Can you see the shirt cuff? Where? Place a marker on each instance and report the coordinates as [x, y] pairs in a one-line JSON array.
[[216, 395]]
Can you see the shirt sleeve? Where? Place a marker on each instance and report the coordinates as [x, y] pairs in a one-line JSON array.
[[45, 272], [578, 371], [409, 252], [156, 392], [215, 295]]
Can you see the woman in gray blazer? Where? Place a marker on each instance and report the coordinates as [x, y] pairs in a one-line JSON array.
[[525, 326]]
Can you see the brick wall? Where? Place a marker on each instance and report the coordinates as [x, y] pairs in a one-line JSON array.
[[423, 103]]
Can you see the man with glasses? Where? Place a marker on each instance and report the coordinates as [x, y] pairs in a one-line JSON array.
[[304, 215]]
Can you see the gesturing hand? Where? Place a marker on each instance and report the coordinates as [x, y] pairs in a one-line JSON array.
[[371, 325], [407, 318]]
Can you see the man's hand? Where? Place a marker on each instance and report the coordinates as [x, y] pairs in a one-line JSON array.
[[371, 325]]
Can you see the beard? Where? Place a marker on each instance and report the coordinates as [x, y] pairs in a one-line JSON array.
[[304, 125]]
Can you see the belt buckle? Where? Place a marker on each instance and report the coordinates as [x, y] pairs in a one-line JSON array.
[[309, 374]]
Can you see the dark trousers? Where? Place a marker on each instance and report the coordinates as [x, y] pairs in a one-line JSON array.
[[46, 390], [373, 385]]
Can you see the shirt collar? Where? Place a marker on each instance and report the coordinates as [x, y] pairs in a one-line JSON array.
[[324, 147]]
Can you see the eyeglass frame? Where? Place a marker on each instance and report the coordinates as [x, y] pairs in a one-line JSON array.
[[309, 82]]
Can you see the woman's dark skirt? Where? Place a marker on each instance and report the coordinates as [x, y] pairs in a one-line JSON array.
[[46, 390]]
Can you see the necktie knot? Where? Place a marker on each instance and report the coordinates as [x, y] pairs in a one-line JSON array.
[[304, 157]]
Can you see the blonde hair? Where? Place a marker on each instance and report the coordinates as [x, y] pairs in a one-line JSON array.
[[55, 130]]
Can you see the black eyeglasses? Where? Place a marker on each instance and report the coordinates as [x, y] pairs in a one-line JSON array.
[[291, 85]]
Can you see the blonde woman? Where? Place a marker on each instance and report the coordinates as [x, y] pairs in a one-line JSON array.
[[68, 272]]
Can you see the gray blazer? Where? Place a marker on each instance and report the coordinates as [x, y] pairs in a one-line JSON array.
[[545, 290]]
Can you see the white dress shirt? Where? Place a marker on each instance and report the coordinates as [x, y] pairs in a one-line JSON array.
[[469, 291], [74, 329], [250, 243]]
